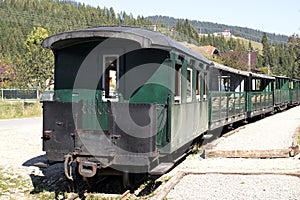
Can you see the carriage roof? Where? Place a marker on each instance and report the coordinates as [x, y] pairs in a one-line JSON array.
[[146, 38], [229, 69]]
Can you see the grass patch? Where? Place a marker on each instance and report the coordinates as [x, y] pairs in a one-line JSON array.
[[11, 184], [19, 109], [14, 186]]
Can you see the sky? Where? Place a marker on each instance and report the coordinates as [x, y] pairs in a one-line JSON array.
[[273, 16]]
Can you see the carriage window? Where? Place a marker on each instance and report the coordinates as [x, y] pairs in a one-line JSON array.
[[242, 86], [189, 85], [256, 84], [277, 84], [291, 85], [110, 63], [225, 83], [178, 83], [205, 86], [198, 85]]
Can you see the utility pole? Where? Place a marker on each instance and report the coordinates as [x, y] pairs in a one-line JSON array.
[[249, 60]]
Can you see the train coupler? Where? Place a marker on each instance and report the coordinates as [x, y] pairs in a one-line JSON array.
[[87, 169]]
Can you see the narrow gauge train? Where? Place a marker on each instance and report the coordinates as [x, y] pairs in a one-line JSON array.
[[129, 100]]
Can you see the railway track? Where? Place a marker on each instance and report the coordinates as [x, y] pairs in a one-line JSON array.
[[167, 182]]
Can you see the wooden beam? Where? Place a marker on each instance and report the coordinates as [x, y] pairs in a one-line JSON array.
[[163, 190], [274, 153]]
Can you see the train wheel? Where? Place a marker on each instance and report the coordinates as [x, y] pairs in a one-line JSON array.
[[127, 182], [130, 180]]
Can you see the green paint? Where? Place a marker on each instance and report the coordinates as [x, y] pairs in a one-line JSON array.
[[94, 111], [223, 105]]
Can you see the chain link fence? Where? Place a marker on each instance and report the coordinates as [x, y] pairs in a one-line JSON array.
[[17, 94]]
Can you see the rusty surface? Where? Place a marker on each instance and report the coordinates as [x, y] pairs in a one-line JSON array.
[[87, 169], [47, 134]]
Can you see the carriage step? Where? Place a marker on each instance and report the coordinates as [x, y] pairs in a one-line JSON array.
[[207, 136], [161, 168], [41, 165]]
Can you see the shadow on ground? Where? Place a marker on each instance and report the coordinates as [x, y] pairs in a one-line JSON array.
[[53, 179]]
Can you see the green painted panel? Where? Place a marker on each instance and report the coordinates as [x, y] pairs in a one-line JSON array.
[[259, 100], [94, 111], [188, 121], [76, 95], [162, 124], [223, 105], [281, 96], [294, 96], [151, 93]]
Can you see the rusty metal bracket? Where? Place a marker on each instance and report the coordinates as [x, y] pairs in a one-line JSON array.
[[87, 169], [68, 166]]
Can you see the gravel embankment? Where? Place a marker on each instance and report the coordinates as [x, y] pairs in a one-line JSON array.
[[21, 147], [215, 186], [273, 132]]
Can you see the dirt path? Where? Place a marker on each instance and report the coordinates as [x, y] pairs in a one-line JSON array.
[[20, 149], [20, 143]]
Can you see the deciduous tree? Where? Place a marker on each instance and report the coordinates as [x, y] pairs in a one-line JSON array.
[[36, 68]]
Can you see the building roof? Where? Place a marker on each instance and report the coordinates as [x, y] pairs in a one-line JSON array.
[[210, 50], [203, 50]]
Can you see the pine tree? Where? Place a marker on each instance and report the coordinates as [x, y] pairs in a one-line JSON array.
[[266, 50]]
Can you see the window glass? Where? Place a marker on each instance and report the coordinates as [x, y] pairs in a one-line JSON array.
[[198, 82], [225, 83], [110, 75], [177, 80], [205, 86], [258, 84], [189, 85], [253, 84]]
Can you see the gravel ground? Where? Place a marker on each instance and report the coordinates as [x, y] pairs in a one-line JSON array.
[[20, 143], [21, 147], [273, 132], [215, 186], [195, 162]]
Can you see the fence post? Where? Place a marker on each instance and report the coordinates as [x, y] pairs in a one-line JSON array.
[[37, 94], [23, 106]]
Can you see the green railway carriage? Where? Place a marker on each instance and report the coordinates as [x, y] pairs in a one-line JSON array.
[[294, 89], [227, 95], [124, 98], [236, 95], [260, 96], [128, 100], [281, 92]]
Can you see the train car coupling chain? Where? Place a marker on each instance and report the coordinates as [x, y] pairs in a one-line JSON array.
[[68, 166]]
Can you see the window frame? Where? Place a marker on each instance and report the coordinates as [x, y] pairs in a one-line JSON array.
[[105, 97]]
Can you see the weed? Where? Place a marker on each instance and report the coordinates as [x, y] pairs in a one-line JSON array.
[[19, 109]]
